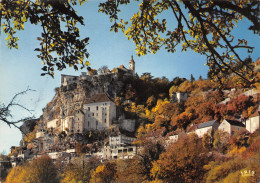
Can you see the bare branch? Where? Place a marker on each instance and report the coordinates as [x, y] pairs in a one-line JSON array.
[[6, 111]]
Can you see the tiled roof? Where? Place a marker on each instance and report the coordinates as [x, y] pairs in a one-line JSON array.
[[207, 124], [235, 123], [192, 128], [100, 97]]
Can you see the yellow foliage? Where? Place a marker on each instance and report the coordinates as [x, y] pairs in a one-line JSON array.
[[237, 151], [30, 136]]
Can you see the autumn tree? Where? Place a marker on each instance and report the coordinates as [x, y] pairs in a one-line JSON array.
[[40, 170], [221, 140], [92, 72], [105, 173], [182, 161], [204, 27], [80, 170], [103, 69], [59, 44]]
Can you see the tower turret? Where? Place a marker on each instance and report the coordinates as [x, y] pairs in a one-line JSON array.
[[132, 65]]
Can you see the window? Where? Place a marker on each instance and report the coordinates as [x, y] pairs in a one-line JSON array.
[[88, 123], [93, 114], [88, 108], [105, 120], [130, 149], [97, 107]]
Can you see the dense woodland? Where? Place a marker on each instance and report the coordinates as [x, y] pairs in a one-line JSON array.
[[213, 158]]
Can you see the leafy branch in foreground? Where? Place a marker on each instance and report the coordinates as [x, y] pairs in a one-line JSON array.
[[203, 26], [6, 111], [60, 43]]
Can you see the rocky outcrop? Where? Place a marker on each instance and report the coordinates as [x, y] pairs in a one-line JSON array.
[[71, 97]]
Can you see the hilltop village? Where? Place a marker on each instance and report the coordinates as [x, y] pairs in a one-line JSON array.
[[115, 114]]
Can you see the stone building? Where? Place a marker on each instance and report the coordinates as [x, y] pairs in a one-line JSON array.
[[179, 97], [132, 65], [79, 121], [99, 111], [253, 122], [119, 147], [208, 127], [231, 126]]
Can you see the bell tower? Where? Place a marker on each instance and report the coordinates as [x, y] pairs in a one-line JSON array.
[[132, 65]]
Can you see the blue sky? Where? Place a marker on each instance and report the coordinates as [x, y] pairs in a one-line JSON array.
[[21, 68]]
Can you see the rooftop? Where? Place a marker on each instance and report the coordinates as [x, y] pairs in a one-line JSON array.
[[100, 97], [207, 124], [235, 123]]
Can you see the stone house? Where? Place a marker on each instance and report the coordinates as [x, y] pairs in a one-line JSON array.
[[253, 122], [67, 124], [99, 111], [231, 126], [208, 127], [179, 97], [173, 137], [79, 121], [119, 147], [52, 124]]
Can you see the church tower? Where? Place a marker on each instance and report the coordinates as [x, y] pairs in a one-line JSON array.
[[132, 65]]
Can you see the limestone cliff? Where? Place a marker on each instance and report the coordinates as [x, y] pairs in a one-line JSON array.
[[71, 97]]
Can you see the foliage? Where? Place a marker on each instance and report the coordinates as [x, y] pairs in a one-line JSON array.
[[59, 44], [80, 171], [182, 161], [41, 170], [221, 140], [103, 69], [105, 173], [235, 106], [30, 136], [205, 29], [92, 72]]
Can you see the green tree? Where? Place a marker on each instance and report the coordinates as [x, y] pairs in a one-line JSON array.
[[192, 78]]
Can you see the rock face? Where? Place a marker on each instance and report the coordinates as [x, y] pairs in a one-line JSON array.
[[71, 96], [28, 126]]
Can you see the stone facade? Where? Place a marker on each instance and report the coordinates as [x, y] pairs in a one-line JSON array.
[[79, 121], [179, 97], [99, 111], [231, 126], [119, 147], [208, 127], [253, 123], [52, 123], [128, 124]]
